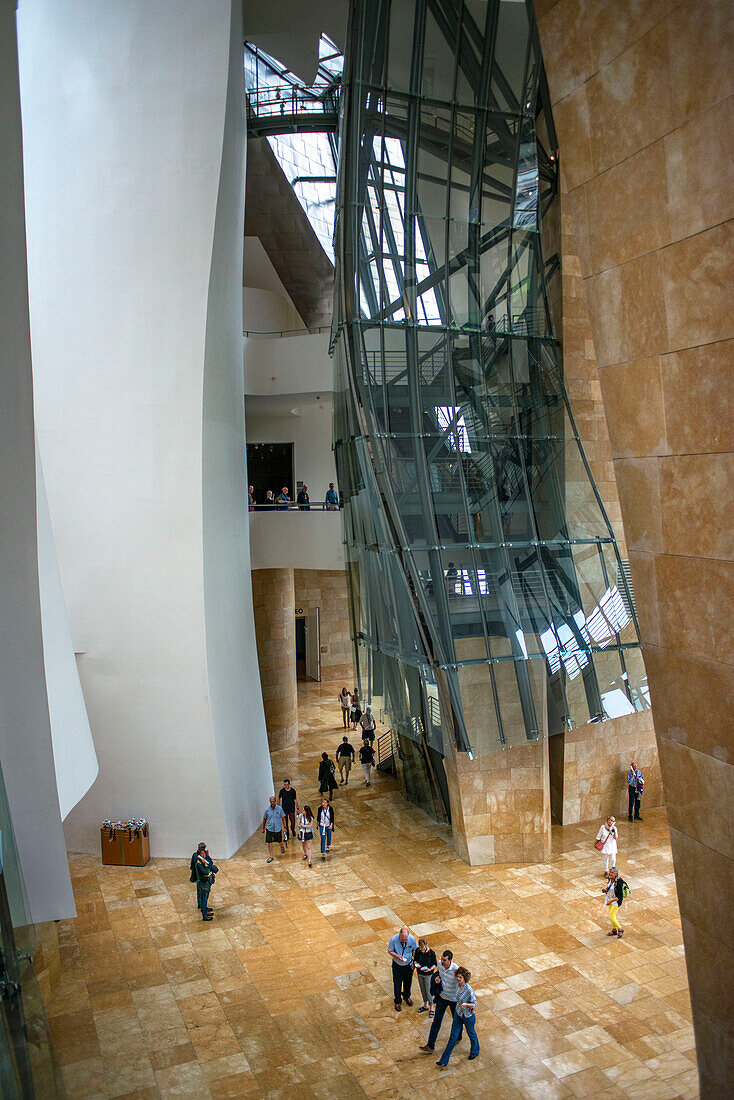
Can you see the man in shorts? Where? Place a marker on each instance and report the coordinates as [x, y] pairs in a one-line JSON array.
[[272, 826]]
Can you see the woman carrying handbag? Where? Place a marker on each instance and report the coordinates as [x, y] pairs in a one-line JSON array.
[[606, 843]]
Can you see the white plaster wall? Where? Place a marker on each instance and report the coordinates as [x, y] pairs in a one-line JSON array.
[[292, 364], [75, 760], [310, 430], [26, 753], [245, 775], [128, 193], [296, 540]]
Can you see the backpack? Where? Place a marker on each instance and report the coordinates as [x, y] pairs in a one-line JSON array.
[[625, 890]]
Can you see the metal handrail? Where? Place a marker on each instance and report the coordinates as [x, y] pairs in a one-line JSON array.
[[386, 760], [289, 332], [293, 506]]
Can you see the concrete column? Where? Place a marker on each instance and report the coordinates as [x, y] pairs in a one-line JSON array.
[[274, 599]]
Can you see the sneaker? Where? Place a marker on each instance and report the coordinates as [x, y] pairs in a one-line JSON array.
[[639, 819], [442, 1065], [366, 784], [472, 1056], [207, 916]]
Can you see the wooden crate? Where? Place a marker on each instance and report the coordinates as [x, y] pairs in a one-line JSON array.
[[123, 848]]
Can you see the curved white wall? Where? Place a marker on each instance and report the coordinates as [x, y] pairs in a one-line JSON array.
[[75, 760], [26, 753], [134, 182]]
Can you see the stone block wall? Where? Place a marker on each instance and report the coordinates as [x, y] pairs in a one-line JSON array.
[[500, 804], [273, 601], [327, 590], [643, 102], [595, 762]]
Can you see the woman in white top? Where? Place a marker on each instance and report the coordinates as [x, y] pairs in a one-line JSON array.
[[345, 702], [608, 836], [305, 832]]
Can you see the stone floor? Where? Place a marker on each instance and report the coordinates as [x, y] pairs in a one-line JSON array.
[[287, 992]]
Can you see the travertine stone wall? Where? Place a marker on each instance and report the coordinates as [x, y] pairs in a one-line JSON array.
[[500, 804], [596, 759], [642, 97], [327, 590], [273, 597]]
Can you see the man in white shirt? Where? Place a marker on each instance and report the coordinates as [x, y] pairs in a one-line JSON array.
[[446, 999]]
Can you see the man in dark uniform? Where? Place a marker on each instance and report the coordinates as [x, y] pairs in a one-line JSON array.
[[203, 870]]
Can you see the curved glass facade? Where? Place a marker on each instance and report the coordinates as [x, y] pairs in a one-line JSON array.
[[488, 598]]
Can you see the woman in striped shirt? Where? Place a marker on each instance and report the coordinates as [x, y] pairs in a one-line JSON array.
[[464, 1016]]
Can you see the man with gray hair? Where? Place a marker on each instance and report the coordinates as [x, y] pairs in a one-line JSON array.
[[401, 948]]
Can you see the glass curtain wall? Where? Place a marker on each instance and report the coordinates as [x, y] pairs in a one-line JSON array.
[[29, 1068], [489, 604]]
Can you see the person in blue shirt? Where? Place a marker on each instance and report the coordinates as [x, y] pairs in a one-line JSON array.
[[331, 499], [635, 783], [465, 1016], [283, 499], [401, 948], [272, 826]]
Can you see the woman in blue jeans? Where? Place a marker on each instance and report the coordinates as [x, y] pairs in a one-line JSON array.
[[326, 826], [464, 1016]]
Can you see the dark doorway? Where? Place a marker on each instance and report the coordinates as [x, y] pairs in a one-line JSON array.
[[301, 648], [269, 466]]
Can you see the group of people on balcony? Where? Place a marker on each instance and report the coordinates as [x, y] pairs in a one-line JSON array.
[[283, 502]]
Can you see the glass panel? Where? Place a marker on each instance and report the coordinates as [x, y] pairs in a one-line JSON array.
[[494, 599]]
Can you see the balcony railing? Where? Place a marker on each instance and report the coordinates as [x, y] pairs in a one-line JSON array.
[[293, 506]]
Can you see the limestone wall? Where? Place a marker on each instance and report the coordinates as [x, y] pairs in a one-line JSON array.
[[327, 590], [275, 628], [642, 101]]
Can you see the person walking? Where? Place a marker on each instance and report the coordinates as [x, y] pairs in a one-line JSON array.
[[446, 998], [606, 843], [615, 892], [327, 783], [465, 1016], [634, 784], [426, 964], [206, 869], [284, 499], [272, 826], [326, 826], [345, 702], [331, 499], [305, 832], [288, 802], [303, 500], [400, 949], [355, 710], [368, 725], [345, 759], [367, 760]]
